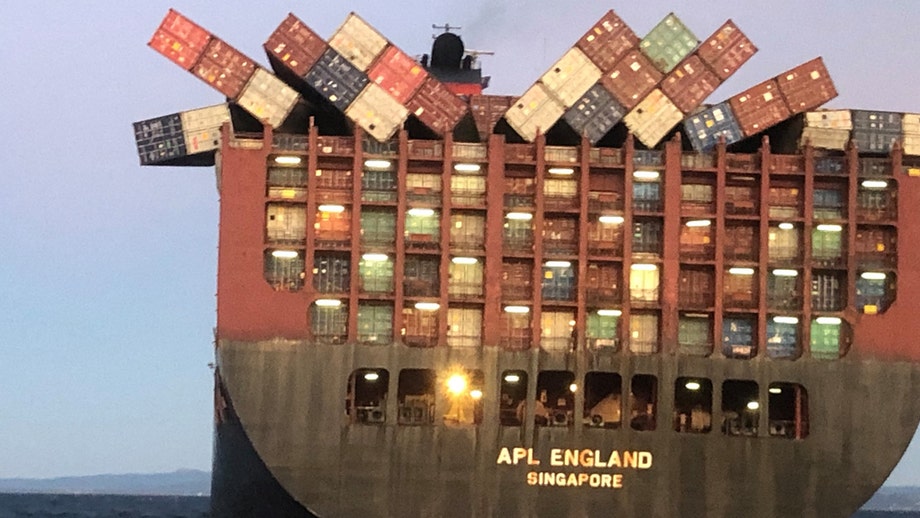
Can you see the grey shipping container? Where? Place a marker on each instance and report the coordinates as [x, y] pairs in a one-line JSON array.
[[375, 323], [827, 292], [336, 79], [647, 236], [421, 276], [694, 334], [783, 291], [706, 127], [331, 273], [160, 139], [595, 114], [558, 283], [875, 131], [283, 273], [329, 324]]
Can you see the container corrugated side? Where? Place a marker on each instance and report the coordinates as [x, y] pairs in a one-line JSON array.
[[807, 86], [224, 68], [358, 42], [160, 139], [536, 110], [378, 113], [201, 127], [488, 110], [705, 127], [268, 98], [608, 41], [295, 45], [570, 77], [436, 107], [690, 83], [336, 79], [668, 43], [653, 118], [398, 74], [180, 39], [631, 79], [829, 119], [726, 50], [910, 128], [824, 138], [759, 107], [595, 114], [876, 131]]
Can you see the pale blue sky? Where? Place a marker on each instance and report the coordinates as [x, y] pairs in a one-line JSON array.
[[107, 269]]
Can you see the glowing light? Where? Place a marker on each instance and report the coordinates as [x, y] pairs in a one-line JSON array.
[[422, 213], [785, 273], [699, 223], [753, 405], [522, 216], [558, 264], [375, 258], [288, 160], [284, 254], [828, 321], [692, 385], [517, 309], [372, 376], [873, 276], [776, 390], [609, 312], [741, 271], [561, 171], [786, 320], [377, 164], [329, 303], [874, 184], [427, 306], [614, 220], [512, 378], [830, 228], [476, 394], [467, 168], [573, 388], [464, 260], [786, 226], [646, 175], [335, 209], [644, 267], [456, 384]]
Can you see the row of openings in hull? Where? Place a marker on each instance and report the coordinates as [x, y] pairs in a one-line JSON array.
[[459, 397]]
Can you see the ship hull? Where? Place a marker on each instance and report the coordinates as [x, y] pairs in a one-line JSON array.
[[284, 441]]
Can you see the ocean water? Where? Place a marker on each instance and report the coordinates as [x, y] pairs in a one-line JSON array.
[[129, 506]]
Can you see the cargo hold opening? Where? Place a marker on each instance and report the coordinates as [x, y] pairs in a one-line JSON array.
[[366, 401]]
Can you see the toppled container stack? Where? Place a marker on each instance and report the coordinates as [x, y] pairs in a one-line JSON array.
[[162, 140]]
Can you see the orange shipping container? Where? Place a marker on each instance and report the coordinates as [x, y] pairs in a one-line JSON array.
[[631, 79], [488, 110], [759, 107], [397, 73], [180, 39], [436, 106], [726, 50], [608, 41], [225, 68], [807, 86], [295, 45], [690, 83]]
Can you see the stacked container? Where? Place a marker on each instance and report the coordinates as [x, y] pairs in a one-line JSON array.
[[595, 114], [876, 132], [827, 129], [537, 110], [706, 127], [487, 110], [759, 107], [171, 137], [295, 46], [653, 118], [910, 125], [726, 50], [806, 86], [668, 43]]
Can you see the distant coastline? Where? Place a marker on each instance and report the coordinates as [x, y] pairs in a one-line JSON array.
[[184, 482]]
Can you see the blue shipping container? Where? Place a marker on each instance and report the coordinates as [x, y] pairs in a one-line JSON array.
[[595, 114], [648, 157], [876, 131], [782, 339], [336, 79], [558, 283], [830, 165], [704, 128], [738, 337], [160, 139]]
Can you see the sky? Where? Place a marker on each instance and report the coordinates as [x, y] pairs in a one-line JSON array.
[[108, 269]]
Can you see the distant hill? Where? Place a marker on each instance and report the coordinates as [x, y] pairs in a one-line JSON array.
[[182, 482], [895, 499]]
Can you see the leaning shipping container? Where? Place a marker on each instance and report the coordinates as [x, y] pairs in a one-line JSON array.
[[336, 79], [398, 74], [759, 107], [377, 112], [295, 45], [668, 43], [436, 107], [726, 50], [160, 139], [705, 128], [224, 68], [202, 127], [268, 98], [358, 42], [608, 41], [180, 39], [595, 114], [570, 77], [535, 111], [487, 110], [807, 86], [689, 84], [653, 118], [631, 79]]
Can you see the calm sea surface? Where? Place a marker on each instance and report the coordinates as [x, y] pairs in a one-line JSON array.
[[122, 506]]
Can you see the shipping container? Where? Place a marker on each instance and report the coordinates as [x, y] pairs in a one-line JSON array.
[[375, 273], [742, 196], [560, 235], [160, 139], [560, 194], [518, 236], [653, 118], [726, 50], [698, 161], [517, 281], [705, 128], [826, 340], [201, 127], [467, 231], [333, 229], [536, 111], [607, 41], [284, 271], [828, 291], [336, 79], [603, 330], [652, 158], [784, 245], [467, 151], [267, 98], [827, 246], [595, 114], [807, 86], [696, 288], [741, 242], [631, 79], [689, 84], [377, 113], [644, 284], [464, 327], [334, 145], [180, 39], [558, 283], [696, 242], [437, 107], [697, 198], [738, 337], [876, 132], [331, 273], [604, 202], [561, 154], [421, 327], [465, 280], [668, 43], [570, 77], [421, 276], [694, 334], [423, 230], [876, 247], [784, 290], [830, 165], [329, 324], [876, 204], [375, 323], [782, 339], [334, 185], [398, 74], [825, 138], [647, 236], [870, 167], [378, 227], [910, 128], [785, 200], [224, 68], [647, 197], [423, 189], [740, 288], [643, 333], [358, 42], [520, 192], [516, 331], [286, 223], [759, 108], [829, 202], [602, 284], [287, 182], [468, 190], [874, 295], [605, 238], [487, 110], [557, 331], [295, 45], [378, 186]]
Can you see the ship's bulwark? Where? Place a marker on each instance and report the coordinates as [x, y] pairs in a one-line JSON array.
[[289, 399]]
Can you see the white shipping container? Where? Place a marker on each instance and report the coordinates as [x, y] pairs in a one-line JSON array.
[[643, 285], [643, 333], [653, 118], [536, 110], [377, 112], [556, 330], [910, 124], [465, 279], [358, 42], [571, 76], [912, 144], [823, 138], [829, 119], [268, 98], [464, 327], [201, 127]]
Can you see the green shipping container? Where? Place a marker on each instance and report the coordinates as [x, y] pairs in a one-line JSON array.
[[375, 323], [465, 280], [668, 43], [378, 227], [694, 334], [825, 341], [376, 276], [602, 330], [423, 228], [827, 246]]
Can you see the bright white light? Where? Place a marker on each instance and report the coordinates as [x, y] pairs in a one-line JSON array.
[[476, 394], [558, 264], [288, 160], [873, 276], [741, 271], [456, 384], [335, 209], [785, 273], [371, 376], [573, 388], [699, 223], [375, 258], [423, 213], [830, 321], [646, 175], [776, 390], [464, 260], [609, 312], [830, 228], [615, 220], [512, 378], [753, 405], [328, 303], [284, 254], [377, 164], [692, 385], [644, 267], [561, 171], [467, 168], [427, 306], [874, 184], [786, 320], [786, 226], [517, 309], [523, 216]]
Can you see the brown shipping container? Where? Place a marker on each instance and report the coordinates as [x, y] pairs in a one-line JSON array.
[[807, 86], [488, 110], [295, 45], [225, 68], [180, 39], [397, 73], [608, 41], [437, 107], [726, 50], [690, 83], [759, 107], [632, 79]]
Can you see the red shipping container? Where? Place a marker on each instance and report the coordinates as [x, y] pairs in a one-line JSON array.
[[759, 107], [180, 39], [295, 45], [690, 83], [807, 86], [488, 110], [437, 107], [608, 41], [225, 68], [726, 50], [398, 74], [633, 78]]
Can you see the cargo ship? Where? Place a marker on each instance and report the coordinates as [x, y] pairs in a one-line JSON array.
[[598, 298]]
